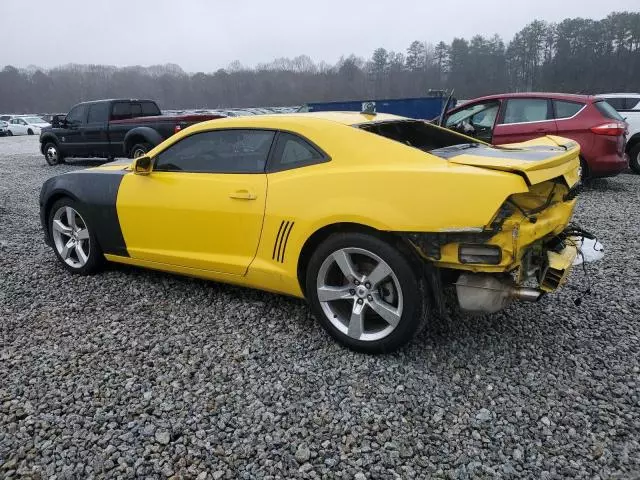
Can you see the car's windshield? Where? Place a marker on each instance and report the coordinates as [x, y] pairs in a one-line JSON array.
[[417, 134], [33, 120], [465, 113]]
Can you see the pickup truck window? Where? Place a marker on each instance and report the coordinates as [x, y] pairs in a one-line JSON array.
[[124, 110], [98, 113], [77, 114], [150, 109], [121, 111]]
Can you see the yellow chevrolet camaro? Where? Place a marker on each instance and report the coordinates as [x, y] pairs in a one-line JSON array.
[[369, 217]]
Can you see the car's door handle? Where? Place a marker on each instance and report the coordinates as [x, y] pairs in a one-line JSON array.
[[243, 195], [542, 130]]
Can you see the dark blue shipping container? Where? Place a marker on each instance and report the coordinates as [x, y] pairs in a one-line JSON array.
[[425, 108]]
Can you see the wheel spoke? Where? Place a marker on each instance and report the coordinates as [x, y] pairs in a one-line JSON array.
[[67, 249], [80, 253], [346, 266], [379, 273], [356, 322], [327, 293], [388, 313], [71, 217], [83, 234], [58, 226]]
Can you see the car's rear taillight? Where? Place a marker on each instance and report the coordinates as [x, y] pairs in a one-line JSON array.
[[177, 128], [613, 129]]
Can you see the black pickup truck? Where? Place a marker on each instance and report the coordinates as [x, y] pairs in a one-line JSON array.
[[110, 129]]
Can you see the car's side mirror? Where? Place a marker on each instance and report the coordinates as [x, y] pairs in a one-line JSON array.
[[142, 165]]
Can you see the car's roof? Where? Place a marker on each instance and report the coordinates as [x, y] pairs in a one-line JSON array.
[[345, 118], [103, 100], [556, 96], [618, 95]]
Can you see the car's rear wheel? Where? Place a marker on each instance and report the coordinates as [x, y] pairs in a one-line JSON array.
[[52, 154], [73, 239], [29, 132], [139, 149], [634, 158], [365, 293]]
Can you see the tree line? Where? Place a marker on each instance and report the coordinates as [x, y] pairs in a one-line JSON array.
[[576, 55]]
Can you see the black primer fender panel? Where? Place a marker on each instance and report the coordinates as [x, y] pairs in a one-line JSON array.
[[97, 191]]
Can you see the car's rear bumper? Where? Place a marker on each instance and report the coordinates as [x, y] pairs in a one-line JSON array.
[[608, 165]]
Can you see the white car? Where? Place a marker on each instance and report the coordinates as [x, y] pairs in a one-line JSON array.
[[26, 125], [628, 106]]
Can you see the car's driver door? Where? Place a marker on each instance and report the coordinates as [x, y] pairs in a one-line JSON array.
[[202, 205]]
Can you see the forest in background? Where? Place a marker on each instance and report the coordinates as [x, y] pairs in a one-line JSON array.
[[576, 55]]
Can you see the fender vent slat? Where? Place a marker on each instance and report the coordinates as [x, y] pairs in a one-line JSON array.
[[280, 244]]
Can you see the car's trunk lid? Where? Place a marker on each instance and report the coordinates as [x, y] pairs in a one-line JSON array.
[[537, 160]]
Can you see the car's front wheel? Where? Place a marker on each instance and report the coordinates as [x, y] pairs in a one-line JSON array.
[[73, 239], [52, 154], [365, 292]]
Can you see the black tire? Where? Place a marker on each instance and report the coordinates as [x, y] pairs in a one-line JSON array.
[[95, 258], [139, 149], [412, 295], [634, 158], [585, 175], [52, 158], [29, 132], [9, 133]]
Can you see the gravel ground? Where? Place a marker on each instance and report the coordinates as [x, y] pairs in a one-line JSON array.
[[132, 373]]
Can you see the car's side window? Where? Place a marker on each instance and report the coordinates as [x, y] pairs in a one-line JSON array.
[[121, 111], [98, 113], [77, 114], [292, 151], [566, 109], [218, 151], [136, 110], [524, 110]]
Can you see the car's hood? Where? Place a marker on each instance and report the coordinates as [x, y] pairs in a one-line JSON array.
[[537, 160]]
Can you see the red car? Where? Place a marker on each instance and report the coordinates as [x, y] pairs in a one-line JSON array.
[[516, 117]]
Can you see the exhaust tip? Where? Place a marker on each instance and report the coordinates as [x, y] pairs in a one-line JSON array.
[[490, 293], [526, 294]]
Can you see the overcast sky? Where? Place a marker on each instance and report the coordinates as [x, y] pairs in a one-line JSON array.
[[204, 35]]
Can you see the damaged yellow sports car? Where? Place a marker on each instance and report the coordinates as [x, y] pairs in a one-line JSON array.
[[369, 217]]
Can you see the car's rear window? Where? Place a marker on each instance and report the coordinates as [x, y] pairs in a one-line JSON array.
[[415, 133], [608, 111]]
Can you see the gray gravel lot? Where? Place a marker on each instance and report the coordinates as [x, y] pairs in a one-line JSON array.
[[132, 373]]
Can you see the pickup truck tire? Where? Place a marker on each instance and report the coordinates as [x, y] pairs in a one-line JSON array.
[[634, 158], [52, 154], [139, 149]]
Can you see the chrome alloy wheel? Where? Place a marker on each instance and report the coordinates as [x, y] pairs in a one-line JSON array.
[[52, 155], [138, 152], [71, 237], [360, 294]]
